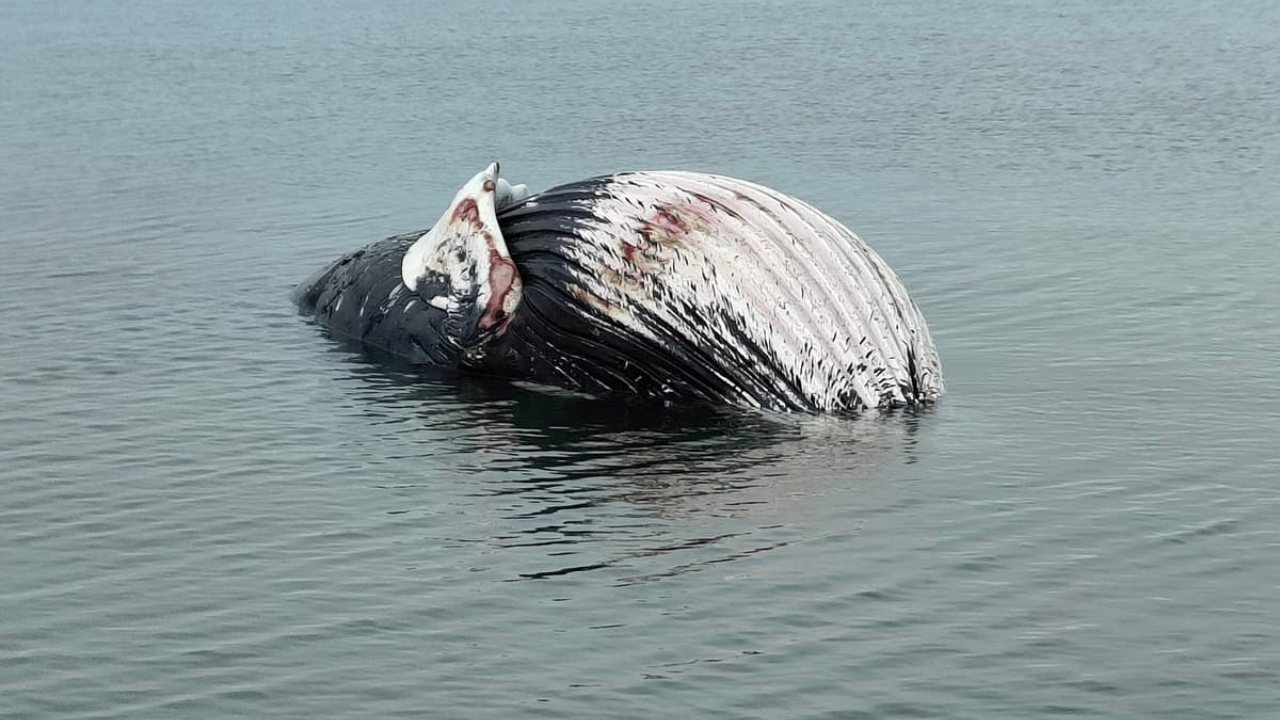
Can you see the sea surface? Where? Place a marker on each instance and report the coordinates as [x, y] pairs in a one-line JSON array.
[[208, 509]]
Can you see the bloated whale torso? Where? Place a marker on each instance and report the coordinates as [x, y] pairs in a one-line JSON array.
[[675, 285]]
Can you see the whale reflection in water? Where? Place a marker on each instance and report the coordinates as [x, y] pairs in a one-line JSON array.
[[568, 483]]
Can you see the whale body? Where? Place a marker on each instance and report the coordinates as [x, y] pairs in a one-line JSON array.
[[674, 285]]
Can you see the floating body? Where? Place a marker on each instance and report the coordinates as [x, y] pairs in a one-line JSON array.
[[673, 285]]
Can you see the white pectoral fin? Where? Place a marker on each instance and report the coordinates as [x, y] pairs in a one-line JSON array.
[[461, 237], [466, 248], [414, 263]]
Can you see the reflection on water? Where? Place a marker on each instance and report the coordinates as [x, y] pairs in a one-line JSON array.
[[209, 510], [566, 470]]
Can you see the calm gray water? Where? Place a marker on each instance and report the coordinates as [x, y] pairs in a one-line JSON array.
[[209, 510]]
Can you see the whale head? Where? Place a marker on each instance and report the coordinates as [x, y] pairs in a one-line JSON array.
[[461, 266]]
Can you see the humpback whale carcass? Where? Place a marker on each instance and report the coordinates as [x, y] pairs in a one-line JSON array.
[[673, 285]]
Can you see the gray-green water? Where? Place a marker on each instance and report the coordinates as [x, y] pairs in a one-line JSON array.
[[209, 510]]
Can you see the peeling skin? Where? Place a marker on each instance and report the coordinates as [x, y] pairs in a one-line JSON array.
[[468, 212], [638, 261], [585, 296], [792, 303], [664, 228], [667, 217], [674, 224], [685, 218]]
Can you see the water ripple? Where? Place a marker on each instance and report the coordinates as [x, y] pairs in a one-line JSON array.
[[209, 509]]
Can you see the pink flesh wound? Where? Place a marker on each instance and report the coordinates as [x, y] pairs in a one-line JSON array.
[[502, 277]]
